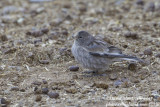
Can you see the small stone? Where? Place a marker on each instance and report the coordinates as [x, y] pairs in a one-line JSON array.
[[14, 89], [20, 21], [22, 90], [72, 90], [82, 7], [1, 68], [9, 51], [117, 83], [3, 38], [40, 10], [134, 80], [65, 32], [38, 40], [35, 33], [113, 76], [125, 84], [150, 6], [101, 85], [45, 30], [37, 90], [45, 90], [38, 98], [85, 91], [132, 35], [4, 101], [53, 95], [37, 83], [157, 55], [44, 82], [44, 61], [73, 68], [140, 2], [132, 66], [158, 99], [56, 22], [9, 9], [75, 77], [39, 1], [67, 5], [30, 55], [54, 35], [148, 52]]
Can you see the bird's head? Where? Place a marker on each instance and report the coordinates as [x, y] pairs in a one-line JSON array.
[[83, 38]]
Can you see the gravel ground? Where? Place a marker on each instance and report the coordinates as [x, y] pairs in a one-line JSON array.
[[38, 69]]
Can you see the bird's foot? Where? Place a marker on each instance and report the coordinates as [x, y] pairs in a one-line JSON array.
[[90, 72], [93, 73]]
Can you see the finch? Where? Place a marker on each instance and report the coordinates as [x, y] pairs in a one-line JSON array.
[[96, 54]]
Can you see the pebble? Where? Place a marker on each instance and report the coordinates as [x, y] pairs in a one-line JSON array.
[[101, 85], [37, 90], [4, 101], [150, 6], [45, 90], [117, 83], [67, 5], [22, 90], [35, 33], [74, 76], [71, 90], [10, 50], [1, 68], [44, 61], [3, 38], [140, 2], [38, 40], [38, 98], [113, 76], [54, 35], [40, 10], [85, 91], [39, 1], [132, 35], [56, 22], [9, 9], [134, 80], [157, 55], [132, 66], [82, 7], [73, 68], [53, 95], [125, 84], [14, 89], [148, 52], [20, 21], [45, 30], [37, 83], [65, 32], [30, 55], [44, 81]]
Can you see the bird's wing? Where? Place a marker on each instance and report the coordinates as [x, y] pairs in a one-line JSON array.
[[100, 48]]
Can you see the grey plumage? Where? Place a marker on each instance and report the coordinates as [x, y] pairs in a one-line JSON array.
[[96, 54]]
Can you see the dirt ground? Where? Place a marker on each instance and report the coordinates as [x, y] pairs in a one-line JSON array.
[[35, 54]]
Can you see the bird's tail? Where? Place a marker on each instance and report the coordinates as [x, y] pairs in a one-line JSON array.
[[128, 58]]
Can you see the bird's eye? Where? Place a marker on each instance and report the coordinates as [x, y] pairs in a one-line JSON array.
[[80, 37]]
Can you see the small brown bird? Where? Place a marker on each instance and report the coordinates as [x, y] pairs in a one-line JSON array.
[[96, 54]]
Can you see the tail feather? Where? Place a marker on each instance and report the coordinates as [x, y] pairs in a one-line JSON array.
[[129, 58]]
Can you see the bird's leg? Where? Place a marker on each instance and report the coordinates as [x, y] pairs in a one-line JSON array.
[[89, 72]]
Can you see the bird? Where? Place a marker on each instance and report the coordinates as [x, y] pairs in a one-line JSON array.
[[95, 54]]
